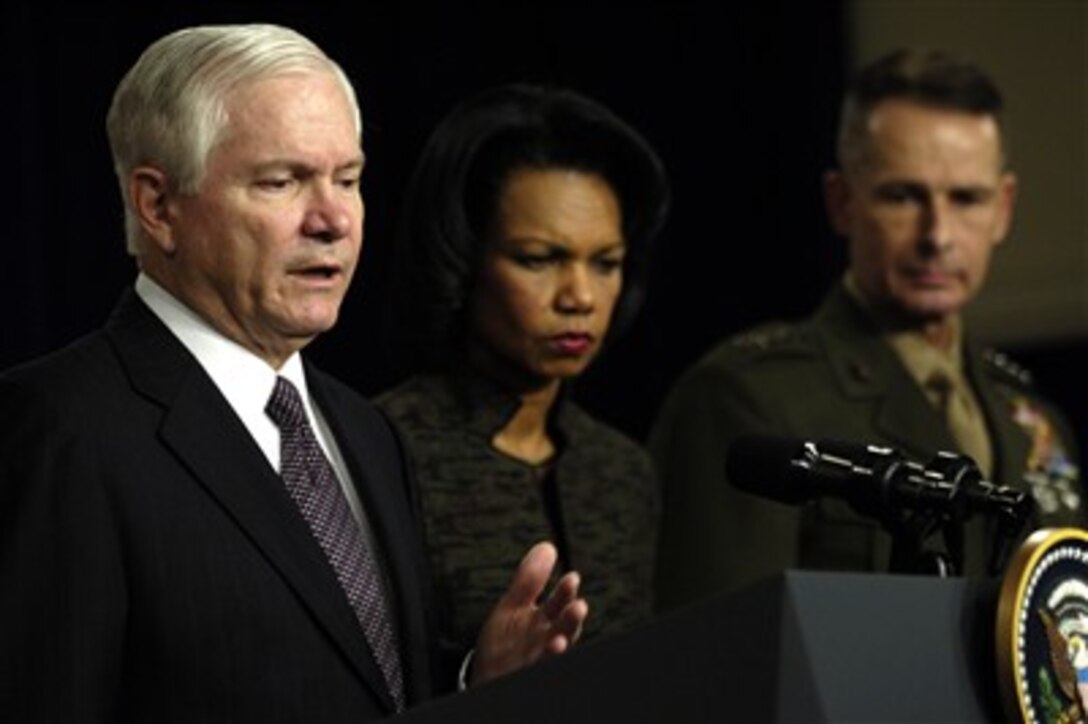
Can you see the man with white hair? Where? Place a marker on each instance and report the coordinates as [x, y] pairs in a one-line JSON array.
[[195, 523]]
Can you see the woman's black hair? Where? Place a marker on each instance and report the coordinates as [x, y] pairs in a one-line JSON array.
[[454, 190]]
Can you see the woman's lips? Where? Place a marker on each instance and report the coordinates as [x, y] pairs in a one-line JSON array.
[[572, 343]]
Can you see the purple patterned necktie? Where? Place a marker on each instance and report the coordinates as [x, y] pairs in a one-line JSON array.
[[315, 488]]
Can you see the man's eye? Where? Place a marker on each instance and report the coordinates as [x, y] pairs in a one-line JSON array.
[[274, 184], [898, 194], [349, 182], [969, 197]]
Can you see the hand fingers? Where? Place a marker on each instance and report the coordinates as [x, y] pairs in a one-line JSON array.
[[567, 627], [565, 591], [572, 620], [556, 645], [532, 575]]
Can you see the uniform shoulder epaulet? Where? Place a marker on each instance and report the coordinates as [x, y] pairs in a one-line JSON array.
[[765, 337], [1006, 367]]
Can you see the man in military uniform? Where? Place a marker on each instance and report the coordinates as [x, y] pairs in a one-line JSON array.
[[923, 195]]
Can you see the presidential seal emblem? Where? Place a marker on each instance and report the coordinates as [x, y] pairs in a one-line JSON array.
[[1042, 629]]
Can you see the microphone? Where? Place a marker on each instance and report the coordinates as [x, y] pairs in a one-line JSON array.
[[908, 498], [873, 480]]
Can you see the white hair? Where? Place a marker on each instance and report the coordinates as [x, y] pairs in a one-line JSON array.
[[169, 109]]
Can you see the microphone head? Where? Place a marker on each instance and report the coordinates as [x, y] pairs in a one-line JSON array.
[[764, 465], [794, 471]]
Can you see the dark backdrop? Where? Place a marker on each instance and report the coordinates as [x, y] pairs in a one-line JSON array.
[[740, 103]]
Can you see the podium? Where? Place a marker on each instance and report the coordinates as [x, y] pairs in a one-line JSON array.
[[801, 646]]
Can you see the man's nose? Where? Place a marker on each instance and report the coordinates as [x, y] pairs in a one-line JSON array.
[[328, 214], [938, 229]]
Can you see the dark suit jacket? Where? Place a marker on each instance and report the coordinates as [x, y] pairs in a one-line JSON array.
[[831, 377], [153, 566]]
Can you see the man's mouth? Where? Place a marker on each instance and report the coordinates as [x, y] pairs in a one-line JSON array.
[[931, 277], [317, 272]]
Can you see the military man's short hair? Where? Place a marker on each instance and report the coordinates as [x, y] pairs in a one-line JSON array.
[[927, 77]]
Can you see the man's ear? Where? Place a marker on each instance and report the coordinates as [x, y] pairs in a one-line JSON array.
[[1007, 192], [837, 201], [150, 192]]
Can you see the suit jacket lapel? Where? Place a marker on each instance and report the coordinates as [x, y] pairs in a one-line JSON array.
[[866, 367], [208, 438]]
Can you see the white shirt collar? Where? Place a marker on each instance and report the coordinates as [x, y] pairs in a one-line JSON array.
[[243, 378], [246, 381]]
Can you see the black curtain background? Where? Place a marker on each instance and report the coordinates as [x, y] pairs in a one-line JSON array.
[[740, 102]]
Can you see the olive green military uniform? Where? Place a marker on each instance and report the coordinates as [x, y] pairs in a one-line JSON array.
[[834, 376], [481, 509]]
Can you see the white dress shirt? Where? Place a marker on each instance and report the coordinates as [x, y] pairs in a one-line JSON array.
[[245, 380]]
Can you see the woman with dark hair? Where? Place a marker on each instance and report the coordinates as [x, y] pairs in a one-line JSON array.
[[524, 242]]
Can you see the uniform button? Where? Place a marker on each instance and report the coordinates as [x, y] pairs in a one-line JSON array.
[[861, 371]]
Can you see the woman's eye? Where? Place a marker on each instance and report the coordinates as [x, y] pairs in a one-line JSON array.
[[533, 261], [609, 264]]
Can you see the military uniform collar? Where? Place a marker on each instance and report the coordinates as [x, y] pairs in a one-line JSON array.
[[860, 357], [915, 352]]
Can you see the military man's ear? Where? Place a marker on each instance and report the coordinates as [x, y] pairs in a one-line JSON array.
[[149, 190], [1008, 189], [837, 200]]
